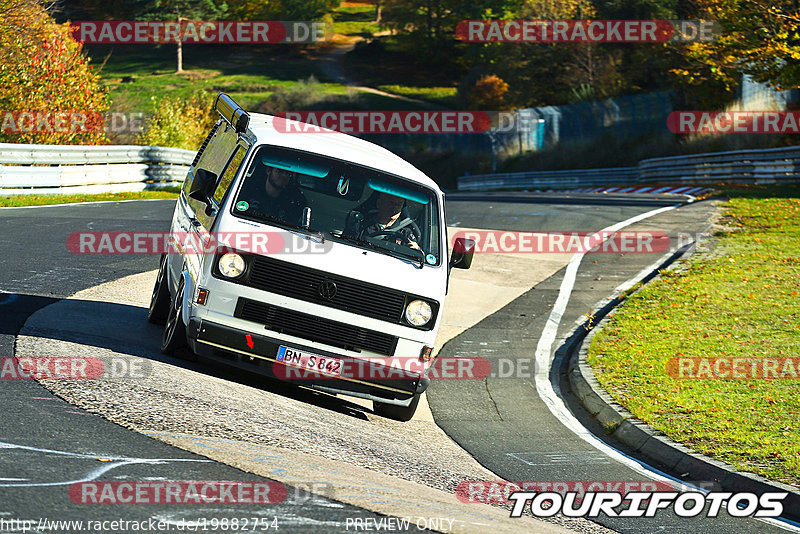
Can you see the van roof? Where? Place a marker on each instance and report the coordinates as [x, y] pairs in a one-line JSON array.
[[336, 145]]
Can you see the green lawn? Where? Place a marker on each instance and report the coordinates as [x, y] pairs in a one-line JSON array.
[[443, 96], [43, 200], [355, 19], [740, 301], [139, 75]]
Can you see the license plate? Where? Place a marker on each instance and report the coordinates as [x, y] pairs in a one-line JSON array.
[[307, 360]]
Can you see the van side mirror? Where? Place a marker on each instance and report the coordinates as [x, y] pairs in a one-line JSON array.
[[203, 185], [463, 250]]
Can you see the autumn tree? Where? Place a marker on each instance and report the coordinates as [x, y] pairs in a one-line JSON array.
[[44, 70], [489, 93], [757, 37]]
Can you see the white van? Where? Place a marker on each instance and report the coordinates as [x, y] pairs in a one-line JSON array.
[[360, 277]]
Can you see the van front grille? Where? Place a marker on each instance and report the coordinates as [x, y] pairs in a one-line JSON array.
[[313, 328], [304, 283]]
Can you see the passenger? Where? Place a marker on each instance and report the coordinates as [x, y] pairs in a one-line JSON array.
[[283, 199]]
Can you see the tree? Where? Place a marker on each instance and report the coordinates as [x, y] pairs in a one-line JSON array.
[[43, 70], [428, 26], [489, 93], [180, 10], [758, 37]]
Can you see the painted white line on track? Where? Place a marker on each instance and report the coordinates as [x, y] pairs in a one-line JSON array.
[[553, 400], [114, 462]]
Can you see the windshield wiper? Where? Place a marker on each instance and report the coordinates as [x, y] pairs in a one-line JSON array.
[[389, 252], [305, 232], [359, 241]]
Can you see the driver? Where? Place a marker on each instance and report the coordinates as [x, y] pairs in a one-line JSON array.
[[390, 221]]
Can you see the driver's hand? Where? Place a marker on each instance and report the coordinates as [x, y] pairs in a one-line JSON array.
[[413, 244]]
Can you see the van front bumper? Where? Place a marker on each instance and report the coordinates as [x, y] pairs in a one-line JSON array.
[[257, 354]]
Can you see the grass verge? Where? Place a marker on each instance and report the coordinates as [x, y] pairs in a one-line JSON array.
[[44, 200], [740, 302]]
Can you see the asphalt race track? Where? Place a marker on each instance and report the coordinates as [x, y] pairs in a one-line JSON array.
[[500, 423], [46, 442]]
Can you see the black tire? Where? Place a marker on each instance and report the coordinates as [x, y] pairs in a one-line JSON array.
[[174, 337], [160, 301], [398, 413]]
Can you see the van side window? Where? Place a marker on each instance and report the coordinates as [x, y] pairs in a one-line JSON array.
[[215, 156], [230, 171], [206, 142], [218, 151], [187, 183]]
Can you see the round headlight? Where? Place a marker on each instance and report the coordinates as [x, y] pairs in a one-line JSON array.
[[418, 312], [231, 265]]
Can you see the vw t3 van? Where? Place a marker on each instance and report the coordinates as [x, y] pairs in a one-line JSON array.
[[352, 278]]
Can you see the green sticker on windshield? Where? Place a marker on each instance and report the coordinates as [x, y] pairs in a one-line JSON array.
[[431, 259], [242, 205]]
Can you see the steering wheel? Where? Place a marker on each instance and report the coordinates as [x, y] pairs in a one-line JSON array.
[[386, 233], [405, 240]]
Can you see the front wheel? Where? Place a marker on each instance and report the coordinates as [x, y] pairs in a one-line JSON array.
[[174, 337], [398, 413], [159, 302]]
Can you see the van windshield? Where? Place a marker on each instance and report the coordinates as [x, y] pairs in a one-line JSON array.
[[344, 202]]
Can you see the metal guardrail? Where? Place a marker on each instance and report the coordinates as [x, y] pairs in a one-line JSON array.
[[547, 179], [49, 169], [762, 166], [742, 166]]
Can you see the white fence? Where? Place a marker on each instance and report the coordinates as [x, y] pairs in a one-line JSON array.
[[766, 166], [63, 169]]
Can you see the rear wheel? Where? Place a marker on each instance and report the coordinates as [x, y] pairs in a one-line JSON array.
[[159, 302], [174, 337], [398, 413]]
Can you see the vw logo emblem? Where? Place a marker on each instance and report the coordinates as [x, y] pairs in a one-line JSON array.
[[327, 290]]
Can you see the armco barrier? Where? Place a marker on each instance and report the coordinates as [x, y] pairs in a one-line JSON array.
[[763, 166], [43, 169], [770, 165], [548, 179]]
